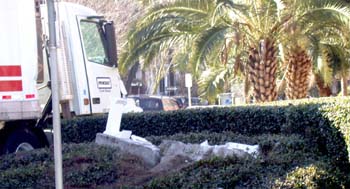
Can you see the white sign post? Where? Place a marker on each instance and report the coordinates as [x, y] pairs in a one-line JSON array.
[[188, 84]]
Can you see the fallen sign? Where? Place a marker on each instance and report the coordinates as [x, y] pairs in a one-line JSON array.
[[124, 140]]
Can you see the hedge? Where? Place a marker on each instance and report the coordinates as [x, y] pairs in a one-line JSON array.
[[285, 162], [323, 122], [244, 120], [84, 165]]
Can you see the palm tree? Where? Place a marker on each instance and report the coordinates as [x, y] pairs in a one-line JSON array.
[[204, 27], [333, 62], [220, 77], [208, 29], [310, 19], [255, 24]]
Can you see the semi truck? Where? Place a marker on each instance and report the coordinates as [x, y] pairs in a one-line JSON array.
[[88, 77]]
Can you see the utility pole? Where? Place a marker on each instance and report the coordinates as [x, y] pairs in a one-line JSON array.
[[55, 95]]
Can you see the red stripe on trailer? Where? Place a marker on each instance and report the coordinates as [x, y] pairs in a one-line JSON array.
[[8, 97], [11, 85], [10, 71], [30, 96]]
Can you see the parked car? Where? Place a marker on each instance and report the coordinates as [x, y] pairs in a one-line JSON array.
[[156, 103], [180, 100], [195, 101], [131, 106]]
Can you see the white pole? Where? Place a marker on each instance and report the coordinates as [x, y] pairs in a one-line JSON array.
[[189, 96], [55, 95], [188, 84]]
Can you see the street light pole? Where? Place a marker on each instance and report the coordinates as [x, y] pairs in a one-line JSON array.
[[55, 95]]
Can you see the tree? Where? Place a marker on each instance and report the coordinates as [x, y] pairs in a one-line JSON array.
[[333, 63], [323, 20], [215, 35], [203, 28]]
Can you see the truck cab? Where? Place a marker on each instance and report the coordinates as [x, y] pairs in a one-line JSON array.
[[88, 73]]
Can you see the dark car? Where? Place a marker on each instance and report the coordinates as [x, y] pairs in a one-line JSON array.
[[195, 101], [156, 103], [180, 100]]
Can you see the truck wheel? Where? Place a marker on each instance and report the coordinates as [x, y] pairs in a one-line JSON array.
[[21, 140]]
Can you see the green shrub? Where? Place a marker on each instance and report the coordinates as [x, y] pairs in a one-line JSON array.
[[84, 165], [316, 175], [286, 162], [22, 177], [244, 120], [323, 122], [249, 173], [83, 129], [338, 116]]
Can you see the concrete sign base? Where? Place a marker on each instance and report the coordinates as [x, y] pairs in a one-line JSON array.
[[135, 145]]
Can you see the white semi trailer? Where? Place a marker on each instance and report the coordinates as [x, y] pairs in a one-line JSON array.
[[87, 68]]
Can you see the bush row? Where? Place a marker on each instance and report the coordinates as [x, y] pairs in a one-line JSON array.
[[244, 120], [84, 165], [323, 122], [251, 173], [285, 162]]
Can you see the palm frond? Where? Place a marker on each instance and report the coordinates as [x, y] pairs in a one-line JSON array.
[[139, 50], [325, 11], [340, 62], [205, 43], [186, 8], [324, 64], [164, 26], [211, 82]]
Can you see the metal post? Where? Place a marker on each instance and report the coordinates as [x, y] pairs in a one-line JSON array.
[[55, 95], [188, 84], [189, 96]]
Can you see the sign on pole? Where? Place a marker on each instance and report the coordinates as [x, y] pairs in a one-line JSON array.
[[188, 80]]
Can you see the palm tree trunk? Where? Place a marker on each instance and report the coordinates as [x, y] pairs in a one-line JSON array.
[[262, 70], [298, 72], [246, 89], [131, 76], [323, 89], [344, 85]]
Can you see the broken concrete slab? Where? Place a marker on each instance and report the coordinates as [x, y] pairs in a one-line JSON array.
[[237, 147], [198, 152], [134, 145]]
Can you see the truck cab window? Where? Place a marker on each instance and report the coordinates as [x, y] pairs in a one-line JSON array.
[[93, 42]]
